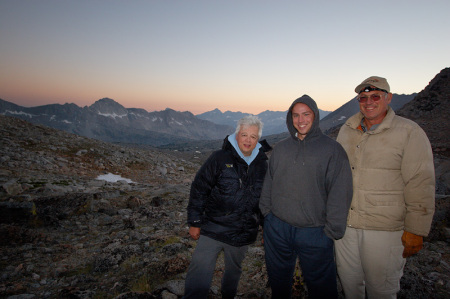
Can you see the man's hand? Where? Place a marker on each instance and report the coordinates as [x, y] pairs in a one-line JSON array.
[[412, 243], [194, 232]]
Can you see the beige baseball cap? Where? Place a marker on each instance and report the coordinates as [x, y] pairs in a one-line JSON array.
[[376, 81]]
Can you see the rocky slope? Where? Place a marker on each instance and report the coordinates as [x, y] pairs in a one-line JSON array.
[[431, 110], [66, 234]]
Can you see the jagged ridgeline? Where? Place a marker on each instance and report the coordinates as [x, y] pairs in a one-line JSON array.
[[109, 121]]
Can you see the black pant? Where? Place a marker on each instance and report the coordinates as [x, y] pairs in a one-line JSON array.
[[283, 243]]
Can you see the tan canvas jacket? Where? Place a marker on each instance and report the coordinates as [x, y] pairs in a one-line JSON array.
[[393, 175]]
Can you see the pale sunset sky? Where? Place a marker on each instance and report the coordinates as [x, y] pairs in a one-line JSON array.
[[246, 55]]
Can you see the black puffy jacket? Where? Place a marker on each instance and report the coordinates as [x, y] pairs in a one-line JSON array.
[[224, 197]]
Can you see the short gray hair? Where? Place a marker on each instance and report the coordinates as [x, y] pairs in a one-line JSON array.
[[250, 120]]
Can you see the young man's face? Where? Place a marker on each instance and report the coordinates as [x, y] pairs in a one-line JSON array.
[[247, 138], [302, 118]]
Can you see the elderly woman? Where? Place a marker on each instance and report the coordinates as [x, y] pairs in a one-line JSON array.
[[223, 212]]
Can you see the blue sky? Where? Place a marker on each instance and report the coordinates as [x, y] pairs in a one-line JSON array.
[[247, 56]]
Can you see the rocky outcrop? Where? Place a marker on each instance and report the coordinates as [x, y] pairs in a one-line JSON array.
[[431, 110]]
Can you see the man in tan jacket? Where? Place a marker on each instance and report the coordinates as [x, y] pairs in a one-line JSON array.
[[393, 194]]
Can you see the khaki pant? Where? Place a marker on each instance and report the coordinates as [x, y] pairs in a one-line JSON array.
[[370, 261]]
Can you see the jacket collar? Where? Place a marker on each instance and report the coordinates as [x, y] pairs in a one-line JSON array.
[[263, 148], [354, 121]]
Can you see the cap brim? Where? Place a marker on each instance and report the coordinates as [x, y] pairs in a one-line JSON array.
[[361, 86]]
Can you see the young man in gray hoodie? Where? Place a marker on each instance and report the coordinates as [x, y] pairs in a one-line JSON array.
[[305, 199]]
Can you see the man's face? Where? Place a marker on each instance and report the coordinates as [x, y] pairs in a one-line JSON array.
[[247, 138], [374, 105], [302, 118]]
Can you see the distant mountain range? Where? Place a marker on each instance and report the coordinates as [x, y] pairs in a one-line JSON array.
[[274, 121], [109, 121]]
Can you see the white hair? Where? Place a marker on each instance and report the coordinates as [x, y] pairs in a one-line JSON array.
[[250, 120]]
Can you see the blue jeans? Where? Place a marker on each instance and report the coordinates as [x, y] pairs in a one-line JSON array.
[[201, 269], [283, 243]]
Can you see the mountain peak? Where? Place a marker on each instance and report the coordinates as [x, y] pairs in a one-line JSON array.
[[107, 106]]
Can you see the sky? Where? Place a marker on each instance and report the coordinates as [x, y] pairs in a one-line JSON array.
[[247, 55]]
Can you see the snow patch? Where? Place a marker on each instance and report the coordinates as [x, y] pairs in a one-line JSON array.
[[109, 177], [176, 122], [19, 113], [113, 115]]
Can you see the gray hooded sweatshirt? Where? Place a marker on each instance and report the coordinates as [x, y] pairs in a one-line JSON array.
[[308, 182]]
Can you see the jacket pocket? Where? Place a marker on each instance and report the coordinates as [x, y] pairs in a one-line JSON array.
[[385, 199], [385, 210]]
